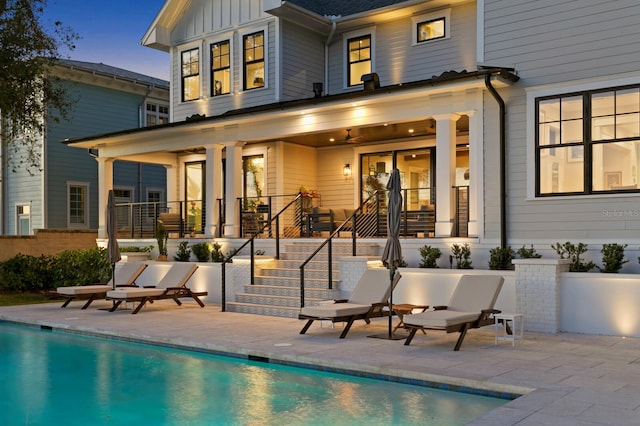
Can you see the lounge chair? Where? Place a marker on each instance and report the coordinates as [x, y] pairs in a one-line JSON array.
[[367, 300], [470, 306], [125, 276], [171, 286]]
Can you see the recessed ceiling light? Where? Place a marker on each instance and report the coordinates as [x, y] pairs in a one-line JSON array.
[[332, 140], [410, 130]]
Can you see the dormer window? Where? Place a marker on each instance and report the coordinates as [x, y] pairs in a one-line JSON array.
[[431, 27], [359, 59], [253, 59]]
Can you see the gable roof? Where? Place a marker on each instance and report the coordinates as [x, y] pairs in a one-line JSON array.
[[110, 71]]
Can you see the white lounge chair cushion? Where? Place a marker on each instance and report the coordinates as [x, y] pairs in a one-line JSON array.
[[374, 287], [440, 319], [84, 289], [126, 293], [475, 293], [335, 310]]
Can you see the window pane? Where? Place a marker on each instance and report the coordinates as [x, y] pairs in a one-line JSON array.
[[549, 111], [548, 134], [628, 101], [571, 108], [571, 131], [430, 30], [357, 70], [77, 205], [254, 76], [191, 88], [561, 170], [602, 104], [628, 126], [615, 166]]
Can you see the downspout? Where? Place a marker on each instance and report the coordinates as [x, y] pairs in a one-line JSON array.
[[326, 54], [503, 160]]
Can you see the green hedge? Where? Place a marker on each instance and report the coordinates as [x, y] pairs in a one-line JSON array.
[[68, 268]]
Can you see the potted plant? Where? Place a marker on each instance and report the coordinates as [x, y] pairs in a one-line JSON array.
[[430, 256], [162, 235], [183, 254], [202, 251], [136, 253], [612, 257], [462, 254], [500, 258]]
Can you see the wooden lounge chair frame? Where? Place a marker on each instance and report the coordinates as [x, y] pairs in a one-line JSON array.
[[99, 291], [484, 318], [375, 309], [173, 293]]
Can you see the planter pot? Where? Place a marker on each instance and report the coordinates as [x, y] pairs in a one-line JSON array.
[[136, 256], [161, 258]]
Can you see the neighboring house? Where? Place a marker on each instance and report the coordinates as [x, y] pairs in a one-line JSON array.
[[528, 112], [64, 194]]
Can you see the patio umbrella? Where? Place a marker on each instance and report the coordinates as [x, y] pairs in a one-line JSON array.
[[113, 251], [392, 254]]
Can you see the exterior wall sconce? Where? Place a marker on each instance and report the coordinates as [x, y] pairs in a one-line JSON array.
[[317, 89], [371, 81], [346, 171]]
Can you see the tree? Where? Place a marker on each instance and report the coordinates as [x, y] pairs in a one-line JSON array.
[[29, 93]]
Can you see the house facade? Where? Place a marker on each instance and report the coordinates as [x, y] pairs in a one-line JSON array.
[[64, 193], [511, 128]]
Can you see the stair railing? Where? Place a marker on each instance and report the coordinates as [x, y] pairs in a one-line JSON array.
[[371, 203], [250, 242]]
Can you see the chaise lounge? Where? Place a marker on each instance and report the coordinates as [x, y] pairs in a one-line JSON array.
[[367, 301], [171, 286], [471, 306], [125, 276]]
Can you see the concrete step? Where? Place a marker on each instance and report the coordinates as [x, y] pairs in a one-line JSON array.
[[267, 300], [295, 273], [295, 281], [314, 293], [273, 311]]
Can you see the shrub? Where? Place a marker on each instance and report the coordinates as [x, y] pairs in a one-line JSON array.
[[462, 254], [216, 253], [429, 255], [500, 258], [612, 257], [136, 249], [183, 254], [573, 252], [528, 253], [202, 251], [23, 273]]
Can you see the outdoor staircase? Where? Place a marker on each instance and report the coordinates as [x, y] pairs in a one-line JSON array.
[[276, 291]]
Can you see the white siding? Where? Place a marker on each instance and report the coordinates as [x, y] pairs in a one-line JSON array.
[[303, 61]]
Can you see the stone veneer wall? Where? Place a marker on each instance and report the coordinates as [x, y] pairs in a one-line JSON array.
[[46, 242], [538, 292]]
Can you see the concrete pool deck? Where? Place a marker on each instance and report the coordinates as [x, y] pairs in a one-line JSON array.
[[568, 379]]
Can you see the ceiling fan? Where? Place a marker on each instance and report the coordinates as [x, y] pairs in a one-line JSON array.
[[351, 139]]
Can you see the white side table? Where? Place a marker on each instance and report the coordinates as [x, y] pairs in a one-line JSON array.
[[517, 327]]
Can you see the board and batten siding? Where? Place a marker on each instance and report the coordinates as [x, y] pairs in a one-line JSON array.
[[561, 44], [302, 61]]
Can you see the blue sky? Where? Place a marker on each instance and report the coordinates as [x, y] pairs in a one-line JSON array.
[[110, 32]]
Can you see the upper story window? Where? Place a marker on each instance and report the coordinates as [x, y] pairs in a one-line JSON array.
[[157, 114], [253, 60], [190, 62], [588, 142], [358, 59], [431, 26], [221, 68]]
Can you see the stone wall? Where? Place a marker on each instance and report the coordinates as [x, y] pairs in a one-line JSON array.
[[47, 242]]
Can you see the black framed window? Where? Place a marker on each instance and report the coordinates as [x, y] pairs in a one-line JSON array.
[[253, 60], [588, 142], [221, 68], [190, 75], [358, 59], [431, 30]]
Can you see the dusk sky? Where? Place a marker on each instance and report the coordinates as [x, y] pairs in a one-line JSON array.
[[110, 32]]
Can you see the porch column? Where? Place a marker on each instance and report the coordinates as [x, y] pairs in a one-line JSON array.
[[233, 183], [105, 184], [475, 172], [445, 172], [172, 186], [213, 183]]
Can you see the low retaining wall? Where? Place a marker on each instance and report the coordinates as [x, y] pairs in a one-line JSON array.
[[46, 242]]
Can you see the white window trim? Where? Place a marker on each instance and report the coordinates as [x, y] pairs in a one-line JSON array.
[[264, 151], [87, 187], [371, 31], [241, 34], [17, 217], [535, 92], [445, 13], [232, 64], [157, 113], [181, 49]]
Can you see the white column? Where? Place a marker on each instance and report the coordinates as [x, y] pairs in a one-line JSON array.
[[105, 184], [233, 184], [445, 172], [213, 184], [475, 172]]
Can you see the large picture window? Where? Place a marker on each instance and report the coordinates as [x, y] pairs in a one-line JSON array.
[[190, 61], [588, 142], [220, 68], [253, 60], [359, 59]]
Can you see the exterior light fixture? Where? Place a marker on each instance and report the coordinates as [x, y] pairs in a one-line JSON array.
[[317, 89], [371, 81], [346, 170]]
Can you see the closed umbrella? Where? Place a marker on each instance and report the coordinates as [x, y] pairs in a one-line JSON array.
[[392, 254], [113, 250]]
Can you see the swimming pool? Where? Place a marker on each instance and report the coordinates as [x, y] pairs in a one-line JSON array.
[[52, 378]]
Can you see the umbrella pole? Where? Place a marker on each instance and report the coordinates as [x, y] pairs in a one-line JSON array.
[[391, 274]]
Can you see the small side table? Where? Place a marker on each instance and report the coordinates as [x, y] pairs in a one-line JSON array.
[[404, 309], [517, 327]]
